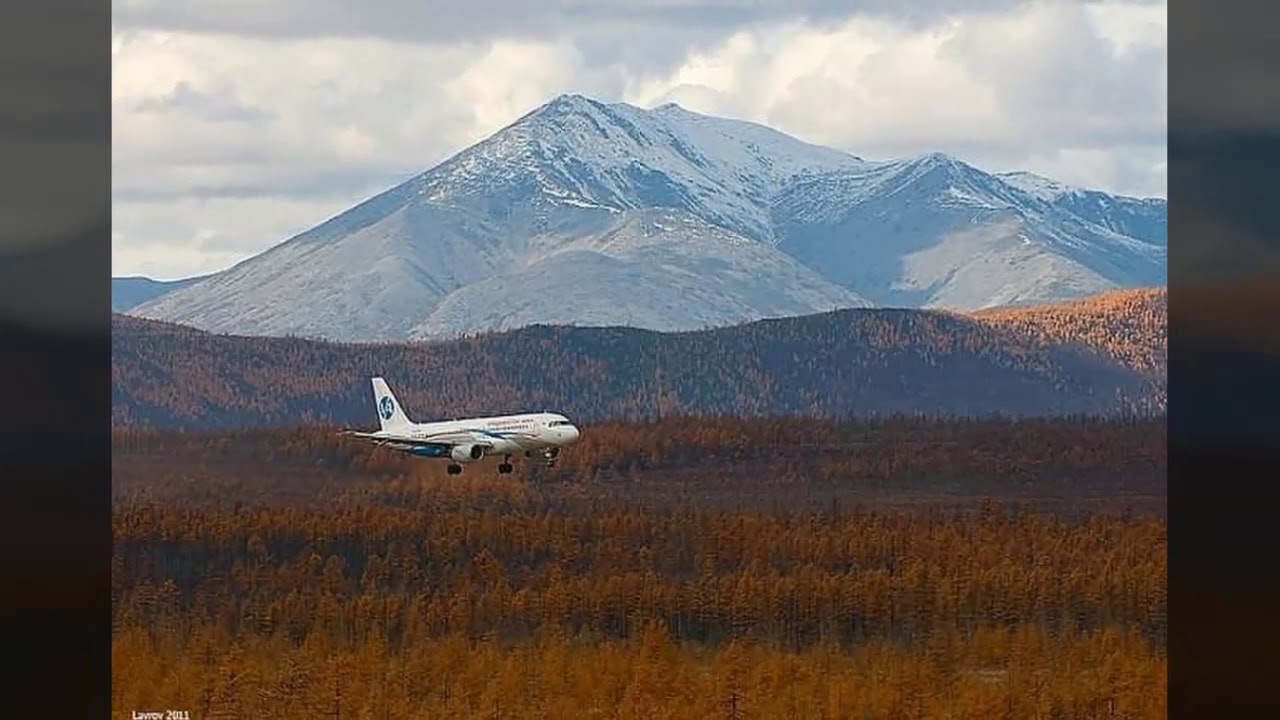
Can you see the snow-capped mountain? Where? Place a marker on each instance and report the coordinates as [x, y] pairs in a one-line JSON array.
[[932, 231], [588, 213]]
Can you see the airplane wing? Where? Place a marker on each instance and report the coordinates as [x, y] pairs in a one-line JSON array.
[[421, 446], [442, 443]]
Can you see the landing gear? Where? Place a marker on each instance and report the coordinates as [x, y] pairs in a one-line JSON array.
[[549, 455], [455, 469], [505, 468]]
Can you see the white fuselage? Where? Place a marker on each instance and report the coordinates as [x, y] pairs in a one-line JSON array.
[[503, 434]]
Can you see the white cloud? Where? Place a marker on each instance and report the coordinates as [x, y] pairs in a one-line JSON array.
[[224, 145], [1069, 89], [303, 107], [509, 79], [192, 236], [1131, 26]]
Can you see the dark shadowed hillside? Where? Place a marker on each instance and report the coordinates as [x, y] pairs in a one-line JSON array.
[[852, 362]]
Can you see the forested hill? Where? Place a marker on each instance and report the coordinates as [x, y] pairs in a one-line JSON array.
[[1128, 325], [852, 362]]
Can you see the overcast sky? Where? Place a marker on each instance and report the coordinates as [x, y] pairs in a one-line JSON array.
[[238, 124]]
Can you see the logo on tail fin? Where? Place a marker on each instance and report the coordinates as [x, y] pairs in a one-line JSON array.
[[386, 407]]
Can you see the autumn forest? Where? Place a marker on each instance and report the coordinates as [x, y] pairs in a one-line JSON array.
[[693, 567]]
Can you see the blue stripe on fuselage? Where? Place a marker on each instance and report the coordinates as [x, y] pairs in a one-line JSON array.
[[490, 433]]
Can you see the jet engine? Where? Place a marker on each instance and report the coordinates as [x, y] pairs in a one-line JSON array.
[[467, 453]]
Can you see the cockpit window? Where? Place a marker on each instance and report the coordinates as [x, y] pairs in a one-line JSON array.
[[555, 423]]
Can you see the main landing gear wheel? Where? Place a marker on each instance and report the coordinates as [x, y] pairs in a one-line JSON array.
[[455, 469], [505, 468]]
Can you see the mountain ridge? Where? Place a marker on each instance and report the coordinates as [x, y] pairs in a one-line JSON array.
[[459, 247], [854, 362]]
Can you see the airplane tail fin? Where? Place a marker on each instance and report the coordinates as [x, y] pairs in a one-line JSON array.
[[390, 415]]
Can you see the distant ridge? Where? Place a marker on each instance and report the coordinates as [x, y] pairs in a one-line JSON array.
[[130, 292], [844, 363], [605, 214]]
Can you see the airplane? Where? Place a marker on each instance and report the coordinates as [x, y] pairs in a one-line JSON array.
[[468, 440]]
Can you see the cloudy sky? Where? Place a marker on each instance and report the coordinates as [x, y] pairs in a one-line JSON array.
[[237, 124]]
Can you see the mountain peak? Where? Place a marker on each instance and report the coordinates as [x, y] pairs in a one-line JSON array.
[[937, 159], [578, 151], [1037, 185], [571, 101], [579, 101]]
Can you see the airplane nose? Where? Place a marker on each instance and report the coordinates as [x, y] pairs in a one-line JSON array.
[[572, 431]]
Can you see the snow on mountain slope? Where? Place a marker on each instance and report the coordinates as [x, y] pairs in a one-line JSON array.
[[371, 284], [1146, 219], [578, 152], [654, 269], [933, 231], [545, 221], [1041, 188]]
